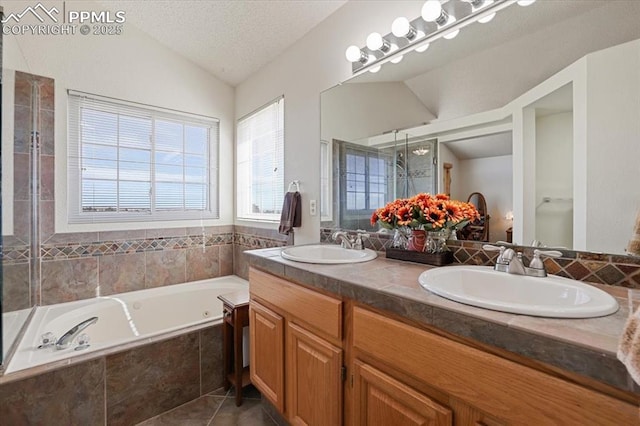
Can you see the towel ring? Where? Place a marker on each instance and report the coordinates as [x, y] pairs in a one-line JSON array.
[[296, 183]]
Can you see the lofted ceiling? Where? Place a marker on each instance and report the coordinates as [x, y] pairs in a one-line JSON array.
[[231, 39]]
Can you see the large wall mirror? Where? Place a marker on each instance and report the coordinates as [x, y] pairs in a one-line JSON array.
[[515, 109]]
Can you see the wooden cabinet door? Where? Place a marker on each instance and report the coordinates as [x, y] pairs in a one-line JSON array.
[[314, 384], [382, 400], [266, 334]]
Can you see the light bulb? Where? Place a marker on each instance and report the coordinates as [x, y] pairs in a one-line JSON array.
[[526, 2], [353, 54], [375, 69], [431, 10], [401, 27], [374, 41], [397, 59], [451, 34], [422, 48]]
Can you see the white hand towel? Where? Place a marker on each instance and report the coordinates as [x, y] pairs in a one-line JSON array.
[[629, 346]]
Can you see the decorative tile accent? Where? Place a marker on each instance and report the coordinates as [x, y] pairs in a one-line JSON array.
[[17, 254], [610, 269], [247, 238]]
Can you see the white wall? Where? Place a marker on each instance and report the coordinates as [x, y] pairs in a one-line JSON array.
[[354, 111], [493, 178], [493, 77], [314, 64], [554, 179], [133, 67], [613, 146]]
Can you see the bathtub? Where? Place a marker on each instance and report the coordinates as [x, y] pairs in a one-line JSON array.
[[124, 320]]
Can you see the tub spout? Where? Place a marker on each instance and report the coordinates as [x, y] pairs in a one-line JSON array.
[[67, 338]]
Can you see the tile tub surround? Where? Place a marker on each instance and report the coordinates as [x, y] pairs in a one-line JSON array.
[[83, 265], [598, 268], [586, 347], [250, 238], [120, 388], [80, 265]]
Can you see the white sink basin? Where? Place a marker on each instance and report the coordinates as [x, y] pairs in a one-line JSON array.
[[552, 296], [327, 253]]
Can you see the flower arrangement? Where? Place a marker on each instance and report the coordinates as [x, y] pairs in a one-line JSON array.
[[425, 211]]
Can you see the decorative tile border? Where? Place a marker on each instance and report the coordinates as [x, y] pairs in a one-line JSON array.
[[105, 248], [15, 255], [610, 269], [60, 251]]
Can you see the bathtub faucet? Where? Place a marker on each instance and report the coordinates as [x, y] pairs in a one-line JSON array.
[[67, 338]]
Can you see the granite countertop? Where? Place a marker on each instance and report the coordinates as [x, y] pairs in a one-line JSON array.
[[584, 346]]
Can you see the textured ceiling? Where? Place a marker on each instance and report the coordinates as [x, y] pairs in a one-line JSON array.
[[231, 39]]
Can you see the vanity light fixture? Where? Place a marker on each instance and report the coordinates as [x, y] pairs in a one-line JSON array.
[[417, 34], [421, 151]]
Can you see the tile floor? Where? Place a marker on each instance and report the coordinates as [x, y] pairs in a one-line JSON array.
[[217, 408]]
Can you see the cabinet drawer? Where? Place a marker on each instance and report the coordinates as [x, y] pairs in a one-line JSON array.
[[503, 388], [317, 312]]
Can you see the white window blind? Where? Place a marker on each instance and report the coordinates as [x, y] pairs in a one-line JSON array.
[[260, 163], [129, 162]]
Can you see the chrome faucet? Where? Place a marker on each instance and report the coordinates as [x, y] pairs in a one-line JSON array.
[[343, 237], [67, 338], [510, 261]]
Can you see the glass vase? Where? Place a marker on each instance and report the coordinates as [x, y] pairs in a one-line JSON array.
[[400, 239], [437, 241]]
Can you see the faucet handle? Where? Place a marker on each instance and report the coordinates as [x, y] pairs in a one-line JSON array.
[[501, 249], [502, 262], [537, 263], [360, 234]]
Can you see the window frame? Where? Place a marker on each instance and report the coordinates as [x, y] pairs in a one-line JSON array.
[[241, 213], [78, 100]]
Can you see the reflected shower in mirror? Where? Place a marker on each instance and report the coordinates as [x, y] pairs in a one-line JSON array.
[[374, 171]]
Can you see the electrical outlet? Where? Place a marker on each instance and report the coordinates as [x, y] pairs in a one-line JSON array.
[[313, 205]]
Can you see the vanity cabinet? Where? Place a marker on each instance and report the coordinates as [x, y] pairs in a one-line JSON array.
[[479, 387], [296, 349], [402, 373]]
